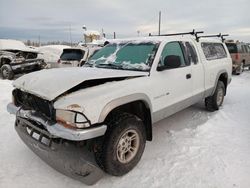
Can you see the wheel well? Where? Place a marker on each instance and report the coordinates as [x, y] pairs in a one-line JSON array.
[[244, 62], [4, 61], [141, 110], [224, 78]]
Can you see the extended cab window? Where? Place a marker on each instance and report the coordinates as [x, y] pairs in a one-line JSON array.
[[191, 53], [213, 51], [172, 48]]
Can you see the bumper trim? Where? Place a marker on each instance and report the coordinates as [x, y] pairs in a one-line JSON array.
[[25, 65], [76, 135], [57, 129]]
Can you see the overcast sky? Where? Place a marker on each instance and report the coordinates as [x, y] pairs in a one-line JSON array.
[[52, 19]]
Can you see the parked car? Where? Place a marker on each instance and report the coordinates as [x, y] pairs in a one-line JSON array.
[[17, 58], [76, 57], [240, 54], [51, 54], [111, 104]]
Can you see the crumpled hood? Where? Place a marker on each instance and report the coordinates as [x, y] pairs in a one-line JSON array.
[[51, 83]]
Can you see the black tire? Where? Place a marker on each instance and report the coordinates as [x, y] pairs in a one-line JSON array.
[[213, 102], [240, 69], [6, 72], [107, 153]]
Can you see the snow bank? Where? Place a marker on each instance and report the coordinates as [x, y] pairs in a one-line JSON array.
[[193, 148], [54, 47], [51, 53]]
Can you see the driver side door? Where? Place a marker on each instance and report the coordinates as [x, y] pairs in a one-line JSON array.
[[173, 86]]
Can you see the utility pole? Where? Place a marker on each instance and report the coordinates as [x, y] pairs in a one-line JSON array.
[[39, 41], [103, 34], [70, 35], [159, 30]]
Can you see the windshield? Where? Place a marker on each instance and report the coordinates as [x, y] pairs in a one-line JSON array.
[[72, 54], [127, 56]]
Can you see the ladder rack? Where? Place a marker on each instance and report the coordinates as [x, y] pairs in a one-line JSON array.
[[194, 33], [219, 35]]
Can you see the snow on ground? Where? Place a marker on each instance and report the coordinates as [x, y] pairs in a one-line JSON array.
[[193, 148]]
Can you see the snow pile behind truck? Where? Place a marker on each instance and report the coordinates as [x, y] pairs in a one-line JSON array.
[[51, 54]]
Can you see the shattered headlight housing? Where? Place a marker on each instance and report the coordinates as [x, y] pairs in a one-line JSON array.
[[72, 119]]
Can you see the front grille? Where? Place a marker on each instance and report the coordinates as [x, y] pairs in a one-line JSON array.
[[31, 102]]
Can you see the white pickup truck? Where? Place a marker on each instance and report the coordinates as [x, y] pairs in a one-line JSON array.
[[111, 103]]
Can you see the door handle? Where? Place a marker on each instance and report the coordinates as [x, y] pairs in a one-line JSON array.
[[188, 76]]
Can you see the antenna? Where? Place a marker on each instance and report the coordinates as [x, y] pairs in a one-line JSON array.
[[70, 35], [159, 29]]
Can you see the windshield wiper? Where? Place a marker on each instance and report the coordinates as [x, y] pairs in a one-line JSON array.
[[109, 65], [88, 64]]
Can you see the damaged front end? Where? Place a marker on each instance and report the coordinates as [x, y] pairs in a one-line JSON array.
[[22, 61], [66, 150], [69, 158], [64, 135]]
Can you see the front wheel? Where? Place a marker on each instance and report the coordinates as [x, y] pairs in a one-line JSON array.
[[6, 72], [215, 101], [121, 148]]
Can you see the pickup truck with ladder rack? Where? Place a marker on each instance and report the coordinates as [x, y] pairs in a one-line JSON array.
[[109, 105]]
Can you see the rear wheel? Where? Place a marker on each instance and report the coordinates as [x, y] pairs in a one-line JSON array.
[[6, 72], [240, 69], [121, 148], [213, 102]]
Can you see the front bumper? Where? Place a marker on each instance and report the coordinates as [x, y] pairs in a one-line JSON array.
[[57, 129], [58, 146], [28, 65], [69, 158]]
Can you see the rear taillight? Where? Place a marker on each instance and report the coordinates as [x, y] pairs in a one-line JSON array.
[[59, 61], [237, 56]]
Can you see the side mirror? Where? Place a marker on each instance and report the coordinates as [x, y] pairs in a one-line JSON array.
[[170, 62]]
